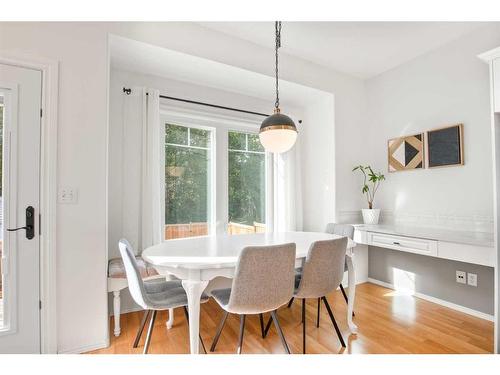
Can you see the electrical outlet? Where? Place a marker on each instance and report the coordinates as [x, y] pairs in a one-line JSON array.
[[68, 195], [461, 277], [472, 279]]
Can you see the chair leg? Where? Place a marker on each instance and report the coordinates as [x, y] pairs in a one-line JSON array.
[[150, 332], [268, 326], [290, 302], [345, 296], [199, 335], [170, 322], [332, 318], [261, 318], [141, 328], [319, 310], [219, 331], [303, 326], [274, 316], [242, 330], [116, 312]]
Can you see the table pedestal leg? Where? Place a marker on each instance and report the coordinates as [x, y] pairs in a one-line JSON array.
[[351, 293], [194, 290]]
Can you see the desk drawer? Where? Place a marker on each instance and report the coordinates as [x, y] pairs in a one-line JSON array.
[[401, 243]]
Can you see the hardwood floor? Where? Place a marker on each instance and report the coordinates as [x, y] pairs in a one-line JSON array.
[[388, 322]]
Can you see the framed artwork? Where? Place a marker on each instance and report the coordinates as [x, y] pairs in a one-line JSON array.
[[406, 153], [445, 146]]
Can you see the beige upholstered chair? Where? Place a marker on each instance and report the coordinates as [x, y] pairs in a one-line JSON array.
[[344, 230], [263, 281], [322, 272], [152, 295]]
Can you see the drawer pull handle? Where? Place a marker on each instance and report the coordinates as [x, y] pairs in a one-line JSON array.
[[396, 243]]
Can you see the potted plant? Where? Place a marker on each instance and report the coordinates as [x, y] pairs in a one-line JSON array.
[[371, 183]]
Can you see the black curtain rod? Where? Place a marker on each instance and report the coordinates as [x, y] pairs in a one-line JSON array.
[[128, 91]]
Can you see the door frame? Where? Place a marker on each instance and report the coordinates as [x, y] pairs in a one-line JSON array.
[[48, 191]]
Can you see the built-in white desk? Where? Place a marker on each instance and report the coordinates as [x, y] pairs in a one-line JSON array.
[[462, 246]]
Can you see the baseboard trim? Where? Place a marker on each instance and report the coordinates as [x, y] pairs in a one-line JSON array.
[[438, 301], [86, 348]]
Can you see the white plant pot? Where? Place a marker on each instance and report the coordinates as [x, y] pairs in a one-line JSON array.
[[371, 216]]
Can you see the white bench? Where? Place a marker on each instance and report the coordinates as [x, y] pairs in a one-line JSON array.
[[117, 281]]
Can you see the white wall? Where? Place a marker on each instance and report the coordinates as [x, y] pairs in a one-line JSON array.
[[81, 49], [318, 165], [447, 86]]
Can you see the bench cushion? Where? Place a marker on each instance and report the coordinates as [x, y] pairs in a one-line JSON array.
[[116, 269]]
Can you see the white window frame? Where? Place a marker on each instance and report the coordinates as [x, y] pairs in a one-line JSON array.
[[211, 173], [268, 167], [221, 124]]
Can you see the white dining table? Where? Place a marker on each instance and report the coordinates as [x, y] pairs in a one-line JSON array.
[[198, 260]]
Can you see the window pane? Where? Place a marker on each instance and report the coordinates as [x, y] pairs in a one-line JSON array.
[[176, 134], [200, 138], [247, 190], [237, 141], [254, 143], [187, 189]]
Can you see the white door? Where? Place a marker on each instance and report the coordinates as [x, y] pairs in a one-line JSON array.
[[20, 103]]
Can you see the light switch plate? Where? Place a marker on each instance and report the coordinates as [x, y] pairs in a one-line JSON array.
[[68, 195], [460, 277], [472, 279]]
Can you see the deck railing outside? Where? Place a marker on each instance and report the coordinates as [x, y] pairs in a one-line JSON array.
[[173, 231]]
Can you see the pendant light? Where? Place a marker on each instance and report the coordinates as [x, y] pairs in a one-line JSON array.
[[277, 132]]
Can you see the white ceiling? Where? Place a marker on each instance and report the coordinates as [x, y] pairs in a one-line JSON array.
[[361, 49]]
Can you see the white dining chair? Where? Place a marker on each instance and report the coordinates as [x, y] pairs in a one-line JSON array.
[[152, 295], [263, 281]]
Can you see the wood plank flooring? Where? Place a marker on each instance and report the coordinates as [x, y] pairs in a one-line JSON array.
[[389, 323]]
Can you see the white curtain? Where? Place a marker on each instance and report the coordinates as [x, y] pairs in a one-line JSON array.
[[287, 200], [152, 169], [142, 165]]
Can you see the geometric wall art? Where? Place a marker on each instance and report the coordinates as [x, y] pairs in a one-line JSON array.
[[406, 153], [445, 146]]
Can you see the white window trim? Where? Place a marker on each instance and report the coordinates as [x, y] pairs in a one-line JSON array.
[[222, 124]]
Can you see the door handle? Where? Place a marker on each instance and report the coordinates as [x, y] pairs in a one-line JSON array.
[[30, 223]]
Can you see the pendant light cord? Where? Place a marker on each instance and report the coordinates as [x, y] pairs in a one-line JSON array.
[[277, 27]]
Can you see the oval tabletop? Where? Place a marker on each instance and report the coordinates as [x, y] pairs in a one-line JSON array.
[[223, 250]]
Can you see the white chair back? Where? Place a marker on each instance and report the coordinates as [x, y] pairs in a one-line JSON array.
[[344, 230], [135, 283]]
